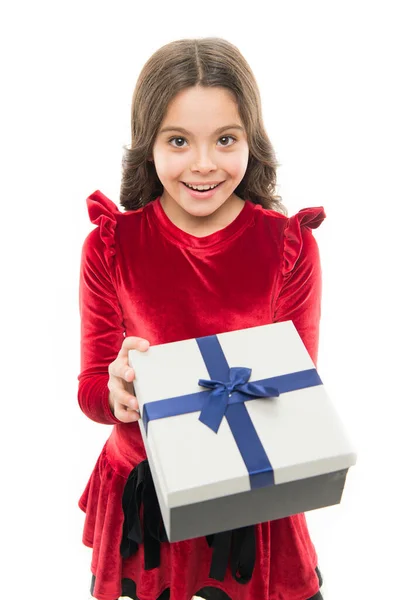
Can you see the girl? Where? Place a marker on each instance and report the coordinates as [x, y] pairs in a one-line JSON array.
[[204, 246]]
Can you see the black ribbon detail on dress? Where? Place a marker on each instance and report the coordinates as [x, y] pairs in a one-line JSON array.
[[139, 489], [242, 545], [239, 544]]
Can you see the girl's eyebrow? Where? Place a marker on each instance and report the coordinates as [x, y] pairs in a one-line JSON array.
[[172, 128]]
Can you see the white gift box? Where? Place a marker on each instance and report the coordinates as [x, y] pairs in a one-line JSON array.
[[271, 457]]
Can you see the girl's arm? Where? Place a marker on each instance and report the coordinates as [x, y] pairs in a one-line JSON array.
[[299, 295], [102, 330]]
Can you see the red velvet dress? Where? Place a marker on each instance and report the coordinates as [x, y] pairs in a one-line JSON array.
[[141, 275]]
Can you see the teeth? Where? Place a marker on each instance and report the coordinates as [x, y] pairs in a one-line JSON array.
[[201, 187]]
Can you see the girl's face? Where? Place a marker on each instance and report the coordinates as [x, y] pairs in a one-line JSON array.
[[205, 144]]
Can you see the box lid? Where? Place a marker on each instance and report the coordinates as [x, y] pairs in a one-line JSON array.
[[300, 431]]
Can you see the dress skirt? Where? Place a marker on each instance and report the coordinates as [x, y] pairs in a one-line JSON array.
[[143, 525]]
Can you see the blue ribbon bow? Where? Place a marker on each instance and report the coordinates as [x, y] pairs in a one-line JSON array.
[[224, 393]]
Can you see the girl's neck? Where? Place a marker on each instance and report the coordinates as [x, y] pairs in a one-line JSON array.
[[203, 226]]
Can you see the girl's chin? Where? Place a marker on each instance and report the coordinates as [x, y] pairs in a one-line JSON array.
[[200, 210]]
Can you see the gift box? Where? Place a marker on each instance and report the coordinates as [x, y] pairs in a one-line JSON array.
[[238, 430]]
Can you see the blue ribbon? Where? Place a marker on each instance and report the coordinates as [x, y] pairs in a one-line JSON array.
[[230, 389]]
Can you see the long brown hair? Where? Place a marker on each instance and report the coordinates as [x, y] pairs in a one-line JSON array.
[[208, 62]]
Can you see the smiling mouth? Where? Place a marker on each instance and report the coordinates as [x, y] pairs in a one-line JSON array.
[[207, 190]]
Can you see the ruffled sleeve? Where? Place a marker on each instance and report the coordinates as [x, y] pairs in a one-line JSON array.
[[293, 238], [101, 318], [300, 286], [103, 212]]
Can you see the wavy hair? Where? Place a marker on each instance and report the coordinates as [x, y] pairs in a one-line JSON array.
[[181, 64]]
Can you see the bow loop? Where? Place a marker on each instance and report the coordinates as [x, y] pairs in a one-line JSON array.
[[236, 389], [211, 383], [239, 376]]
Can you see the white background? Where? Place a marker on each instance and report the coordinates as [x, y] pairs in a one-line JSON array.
[[328, 75]]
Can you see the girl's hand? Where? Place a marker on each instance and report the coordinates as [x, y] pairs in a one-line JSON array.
[[122, 400]]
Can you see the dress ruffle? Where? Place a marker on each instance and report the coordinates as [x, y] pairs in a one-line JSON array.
[[293, 234], [101, 501], [103, 212]]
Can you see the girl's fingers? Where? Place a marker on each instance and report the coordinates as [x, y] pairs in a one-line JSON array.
[[121, 395], [132, 343], [120, 383], [120, 367], [126, 415]]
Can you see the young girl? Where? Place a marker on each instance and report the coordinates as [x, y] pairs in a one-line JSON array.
[[179, 264]]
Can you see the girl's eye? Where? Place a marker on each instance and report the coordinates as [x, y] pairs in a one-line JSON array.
[[225, 137]]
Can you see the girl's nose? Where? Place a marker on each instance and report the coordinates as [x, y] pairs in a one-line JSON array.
[[204, 163]]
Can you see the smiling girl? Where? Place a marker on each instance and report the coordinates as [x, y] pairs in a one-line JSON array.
[[203, 246]]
